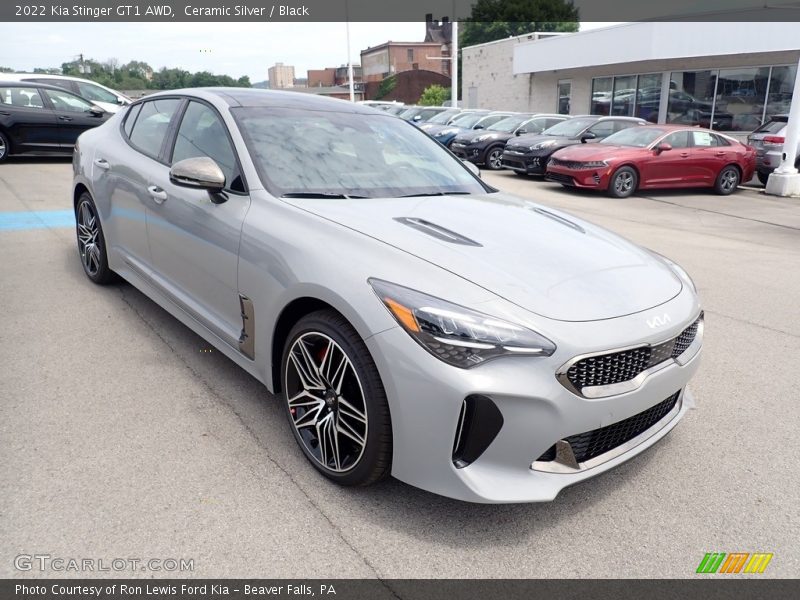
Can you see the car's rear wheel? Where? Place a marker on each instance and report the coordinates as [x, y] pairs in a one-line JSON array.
[[494, 158], [335, 400], [91, 242], [727, 180], [763, 176], [5, 146], [623, 182]]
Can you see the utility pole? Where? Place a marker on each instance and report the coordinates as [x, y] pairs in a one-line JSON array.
[[454, 57], [349, 62]]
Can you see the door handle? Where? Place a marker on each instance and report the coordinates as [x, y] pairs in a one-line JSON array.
[[684, 154], [102, 163], [4, 113], [63, 118], [721, 153], [159, 195]]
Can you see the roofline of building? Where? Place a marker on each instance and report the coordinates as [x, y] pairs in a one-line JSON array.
[[390, 43], [528, 37]]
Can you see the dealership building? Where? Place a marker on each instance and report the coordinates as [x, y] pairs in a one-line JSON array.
[[727, 76]]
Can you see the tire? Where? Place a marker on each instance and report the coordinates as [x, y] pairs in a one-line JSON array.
[[91, 241], [494, 158], [762, 177], [727, 180], [623, 182], [325, 368], [5, 146]]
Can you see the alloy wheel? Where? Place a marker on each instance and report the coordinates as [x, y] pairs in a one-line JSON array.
[[495, 159], [89, 238], [623, 183], [729, 180], [3, 147], [326, 402]]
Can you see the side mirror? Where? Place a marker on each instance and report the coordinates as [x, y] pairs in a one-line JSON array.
[[200, 173], [478, 127], [473, 168], [96, 112], [520, 131], [417, 118], [663, 147], [588, 136]]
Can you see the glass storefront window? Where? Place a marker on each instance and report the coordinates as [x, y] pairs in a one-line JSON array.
[[781, 84], [564, 96], [624, 95], [601, 95], [691, 97], [740, 98], [648, 97]]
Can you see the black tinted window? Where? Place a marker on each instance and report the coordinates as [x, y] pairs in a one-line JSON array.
[[152, 124], [201, 133], [67, 102], [23, 97]]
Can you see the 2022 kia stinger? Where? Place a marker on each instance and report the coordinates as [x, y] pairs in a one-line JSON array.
[[413, 320]]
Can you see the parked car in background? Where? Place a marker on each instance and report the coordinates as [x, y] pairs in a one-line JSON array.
[[421, 114], [475, 341], [106, 98], [443, 118], [656, 156], [485, 146], [381, 104], [466, 118], [446, 135], [43, 118], [529, 154], [768, 142]]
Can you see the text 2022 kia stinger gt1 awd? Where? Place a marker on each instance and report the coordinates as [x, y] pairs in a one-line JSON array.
[[655, 156], [413, 320]]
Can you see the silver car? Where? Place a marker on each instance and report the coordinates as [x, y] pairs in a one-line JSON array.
[[768, 141], [413, 320]]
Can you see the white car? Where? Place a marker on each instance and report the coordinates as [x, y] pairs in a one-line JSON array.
[[106, 98]]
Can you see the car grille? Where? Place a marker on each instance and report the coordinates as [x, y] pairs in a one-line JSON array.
[[591, 444], [616, 367], [560, 178], [567, 164]]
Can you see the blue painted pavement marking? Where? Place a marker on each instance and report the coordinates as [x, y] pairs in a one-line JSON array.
[[36, 219]]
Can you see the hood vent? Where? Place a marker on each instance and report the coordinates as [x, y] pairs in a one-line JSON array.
[[559, 219], [437, 231]]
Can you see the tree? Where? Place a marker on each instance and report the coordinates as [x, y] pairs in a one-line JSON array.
[[434, 95], [497, 19]]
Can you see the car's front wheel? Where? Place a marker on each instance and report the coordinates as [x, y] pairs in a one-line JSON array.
[[623, 182], [727, 181], [91, 242], [335, 400], [5, 146], [494, 158]]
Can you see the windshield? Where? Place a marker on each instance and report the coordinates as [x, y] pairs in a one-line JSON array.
[[569, 128], [509, 124], [340, 154], [467, 120], [409, 112], [443, 117], [640, 137]]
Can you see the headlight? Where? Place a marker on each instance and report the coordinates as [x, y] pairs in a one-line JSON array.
[[541, 145], [678, 270], [594, 164], [457, 335]]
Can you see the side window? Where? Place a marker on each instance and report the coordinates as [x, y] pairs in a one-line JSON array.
[[130, 118], [152, 124], [602, 129], [620, 125], [721, 141], [201, 133], [533, 126], [67, 102], [62, 83], [95, 92], [704, 139], [679, 139], [23, 97], [550, 122]]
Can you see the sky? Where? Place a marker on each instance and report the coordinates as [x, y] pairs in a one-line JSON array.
[[233, 49]]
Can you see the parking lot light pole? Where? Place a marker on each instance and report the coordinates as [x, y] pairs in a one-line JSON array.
[[785, 179], [454, 68], [349, 62]]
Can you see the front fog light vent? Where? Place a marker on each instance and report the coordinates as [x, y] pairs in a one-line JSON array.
[[479, 422]]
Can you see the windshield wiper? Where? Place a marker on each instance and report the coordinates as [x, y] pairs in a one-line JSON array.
[[326, 195], [435, 194]]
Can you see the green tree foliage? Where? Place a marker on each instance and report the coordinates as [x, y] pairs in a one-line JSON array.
[[386, 87], [497, 19], [434, 95]]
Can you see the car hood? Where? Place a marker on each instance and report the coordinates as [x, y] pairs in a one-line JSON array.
[[471, 135], [540, 259], [526, 141], [588, 152]]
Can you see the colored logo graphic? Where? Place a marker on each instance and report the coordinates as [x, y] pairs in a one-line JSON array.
[[735, 562]]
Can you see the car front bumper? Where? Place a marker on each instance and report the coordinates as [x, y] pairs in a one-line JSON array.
[[426, 398], [582, 178], [532, 163], [474, 153]]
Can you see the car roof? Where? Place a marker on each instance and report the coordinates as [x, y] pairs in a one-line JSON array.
[[36, 84]]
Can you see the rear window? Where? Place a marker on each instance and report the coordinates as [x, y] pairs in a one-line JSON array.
[[152, 124], [774, 125]]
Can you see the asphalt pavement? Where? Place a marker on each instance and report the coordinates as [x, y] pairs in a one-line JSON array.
[[123, 434]]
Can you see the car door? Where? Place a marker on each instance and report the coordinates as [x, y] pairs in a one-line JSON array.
[[74, 115], [709, 154], [30, 124], [194, 235], [670, 167]]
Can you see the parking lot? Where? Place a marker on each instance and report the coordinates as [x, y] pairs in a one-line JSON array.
[[123, 434]]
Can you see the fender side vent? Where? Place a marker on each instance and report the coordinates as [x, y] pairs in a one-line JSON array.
[[478, 424], [246, 339], [437, 231]]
